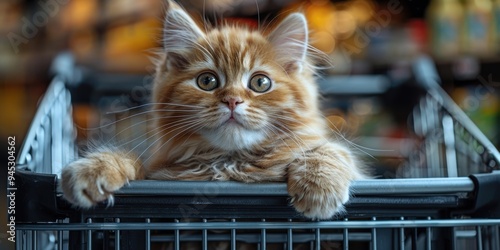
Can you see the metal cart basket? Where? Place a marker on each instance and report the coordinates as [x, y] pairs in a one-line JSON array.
[[458, 210]]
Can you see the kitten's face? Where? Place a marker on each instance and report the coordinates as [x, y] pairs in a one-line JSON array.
[[233, 87]]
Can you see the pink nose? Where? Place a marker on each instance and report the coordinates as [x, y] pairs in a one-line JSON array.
[[232, 102]]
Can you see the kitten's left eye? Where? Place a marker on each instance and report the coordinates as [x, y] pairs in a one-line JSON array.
[[207, 81], [260, 83]]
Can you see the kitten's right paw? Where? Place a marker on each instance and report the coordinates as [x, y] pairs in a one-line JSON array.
[[93, 179]]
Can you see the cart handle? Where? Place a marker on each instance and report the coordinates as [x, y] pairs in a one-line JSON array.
[[427, 76]]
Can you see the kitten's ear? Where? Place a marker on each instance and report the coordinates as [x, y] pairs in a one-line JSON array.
[[180, 34], [290, 39]]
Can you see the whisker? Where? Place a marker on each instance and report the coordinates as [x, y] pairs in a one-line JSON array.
[[272, 129], [163, 128], [203, 50], [165, 143], [189, 136], [145, 121], [284, 70], [258, 14], [306, 125], [350, 142], [357, 146], [152, 103], [204, 16], [292, 135], [135, 115]]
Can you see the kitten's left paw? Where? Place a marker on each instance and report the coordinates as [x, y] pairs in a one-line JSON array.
[[318, 197]]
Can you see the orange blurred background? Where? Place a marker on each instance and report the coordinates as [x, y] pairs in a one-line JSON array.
[[360, 37]]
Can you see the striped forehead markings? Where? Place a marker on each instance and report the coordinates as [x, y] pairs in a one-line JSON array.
[[234, 56]]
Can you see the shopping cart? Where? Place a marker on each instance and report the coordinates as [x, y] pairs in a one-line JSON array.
[[458, 208]]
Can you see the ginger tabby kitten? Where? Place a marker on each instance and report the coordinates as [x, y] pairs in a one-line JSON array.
[[233, 104]]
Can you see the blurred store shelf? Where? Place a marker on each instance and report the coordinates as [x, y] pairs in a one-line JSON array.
[[360, 37]]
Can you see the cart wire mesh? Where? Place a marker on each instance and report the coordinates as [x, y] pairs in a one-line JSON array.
[[455, 211]]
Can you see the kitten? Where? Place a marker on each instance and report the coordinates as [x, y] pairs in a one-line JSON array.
[[232, 104]]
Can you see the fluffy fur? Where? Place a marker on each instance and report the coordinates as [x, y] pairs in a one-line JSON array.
[[232, 132]]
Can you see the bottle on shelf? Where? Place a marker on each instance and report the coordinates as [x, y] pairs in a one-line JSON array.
[[496, 26], [477, 28], [445, 21]]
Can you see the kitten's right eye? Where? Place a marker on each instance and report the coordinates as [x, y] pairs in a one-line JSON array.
[[207, 81]]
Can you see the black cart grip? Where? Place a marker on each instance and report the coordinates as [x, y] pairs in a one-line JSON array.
[[487, 195], [37, 197]]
